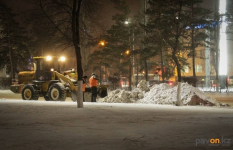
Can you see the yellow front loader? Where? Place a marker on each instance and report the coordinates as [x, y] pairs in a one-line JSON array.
[[46, 81]]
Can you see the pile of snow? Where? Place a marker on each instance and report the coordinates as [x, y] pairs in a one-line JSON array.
[[142, 86], [164, 94], [160, 94], [122, 96]]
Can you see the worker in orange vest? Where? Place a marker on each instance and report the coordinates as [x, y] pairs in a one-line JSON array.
[[93, 82], [84, 85]]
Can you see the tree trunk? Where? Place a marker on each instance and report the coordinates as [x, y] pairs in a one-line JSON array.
[[137, 73], [193, 52], [80, 92], [14, 70], [100, 78], [130, 74], [178, 67], [11, 61], [146, 73], [80, 81], [76, 42], [193, 58], [216, 32], [145, 21], [10, 54], [162, 66]]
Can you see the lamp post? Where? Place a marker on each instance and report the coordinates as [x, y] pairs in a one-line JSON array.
[[102, 44], [128, 53], [130, 68]]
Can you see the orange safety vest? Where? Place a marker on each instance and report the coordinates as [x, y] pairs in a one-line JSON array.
[[93, 81], [84, 86]]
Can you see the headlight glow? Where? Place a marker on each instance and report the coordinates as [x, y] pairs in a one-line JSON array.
[[62, 58], [48, 58]]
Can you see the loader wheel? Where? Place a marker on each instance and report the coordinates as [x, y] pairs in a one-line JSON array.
[[57, 92], [29, 93]]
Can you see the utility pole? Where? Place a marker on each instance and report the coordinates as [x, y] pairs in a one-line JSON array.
[[145, 61], [12, 75], [216, 35]]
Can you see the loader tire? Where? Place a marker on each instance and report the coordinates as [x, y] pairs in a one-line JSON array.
[[57, 92], [29, 93]]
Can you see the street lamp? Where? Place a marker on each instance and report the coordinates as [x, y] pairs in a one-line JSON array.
[[131, 43], [126, 22], [102, 43], [127, 52]]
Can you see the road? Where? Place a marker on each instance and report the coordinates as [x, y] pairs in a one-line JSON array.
[[41, 125]]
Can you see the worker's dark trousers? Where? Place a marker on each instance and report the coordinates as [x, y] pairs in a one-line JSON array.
[[93, 93], [83, 96]]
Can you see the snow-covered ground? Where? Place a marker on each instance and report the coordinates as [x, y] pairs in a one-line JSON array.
[[41, 125], [121, 121]]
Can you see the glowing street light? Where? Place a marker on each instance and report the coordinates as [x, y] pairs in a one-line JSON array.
[[126, 22], [102, 43], [48, 58], [62, 58], [127, 52]]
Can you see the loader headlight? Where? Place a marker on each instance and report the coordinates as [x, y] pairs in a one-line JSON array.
[[62, 58], [52, 69], [48, 58]]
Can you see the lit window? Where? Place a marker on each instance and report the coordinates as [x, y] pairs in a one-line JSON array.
[[185, 69], [198, 68]]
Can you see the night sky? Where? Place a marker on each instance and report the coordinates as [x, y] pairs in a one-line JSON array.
[[20, 6]]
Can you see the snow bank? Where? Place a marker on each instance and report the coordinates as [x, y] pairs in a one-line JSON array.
[[160, 94], [164, 94], [122, 96], [142, 86]]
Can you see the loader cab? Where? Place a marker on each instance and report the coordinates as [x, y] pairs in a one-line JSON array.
[[45, 66]]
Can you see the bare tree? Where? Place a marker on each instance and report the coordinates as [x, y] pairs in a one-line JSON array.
[[71, 23], [170, 19]]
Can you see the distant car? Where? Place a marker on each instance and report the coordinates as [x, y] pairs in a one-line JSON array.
[[124, 83], [171, 83]]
